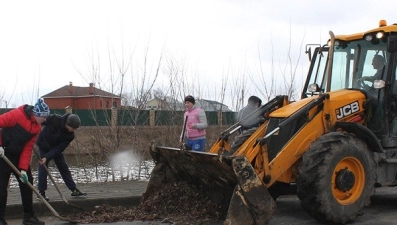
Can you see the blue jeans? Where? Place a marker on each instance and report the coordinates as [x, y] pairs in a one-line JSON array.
[[195, 145]]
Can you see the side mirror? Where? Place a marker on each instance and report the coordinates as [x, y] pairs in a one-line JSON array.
[[392, 42], [309, 52]]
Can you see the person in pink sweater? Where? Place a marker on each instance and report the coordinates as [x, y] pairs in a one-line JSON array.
[[194, 126]]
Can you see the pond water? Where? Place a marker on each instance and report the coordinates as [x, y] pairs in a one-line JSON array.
[[85, 169]]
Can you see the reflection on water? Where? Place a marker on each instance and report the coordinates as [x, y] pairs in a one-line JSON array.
[[87, 169]]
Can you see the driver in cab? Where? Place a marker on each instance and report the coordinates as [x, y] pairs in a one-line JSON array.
[[375, 121], [378, 62]]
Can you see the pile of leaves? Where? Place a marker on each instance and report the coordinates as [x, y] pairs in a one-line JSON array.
[[177, 203]]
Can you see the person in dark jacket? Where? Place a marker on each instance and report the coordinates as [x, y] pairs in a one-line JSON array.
[[247, 123], [378, 62], [19, 130], [54, 138]]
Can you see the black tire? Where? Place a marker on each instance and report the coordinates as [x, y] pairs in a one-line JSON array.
[[241, 138], [333, 158]]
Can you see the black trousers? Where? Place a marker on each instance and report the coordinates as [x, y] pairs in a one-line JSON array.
[[26, 192], [63, 169]]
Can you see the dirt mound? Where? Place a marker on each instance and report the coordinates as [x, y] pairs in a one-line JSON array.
[[177, 203]]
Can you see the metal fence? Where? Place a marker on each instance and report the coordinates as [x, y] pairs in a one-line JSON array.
[[133, 117]]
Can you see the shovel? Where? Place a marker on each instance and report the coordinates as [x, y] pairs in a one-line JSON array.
[[183, 145], [35, 150], [38, 194]]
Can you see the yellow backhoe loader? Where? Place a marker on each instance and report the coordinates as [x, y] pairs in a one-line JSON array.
[[333, 147]]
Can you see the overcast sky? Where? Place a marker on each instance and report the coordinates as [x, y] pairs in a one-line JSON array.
[[44, 45]]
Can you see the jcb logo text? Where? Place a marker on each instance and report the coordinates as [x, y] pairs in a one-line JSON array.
[[347, 110]]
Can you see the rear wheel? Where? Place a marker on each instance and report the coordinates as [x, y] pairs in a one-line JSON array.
[[337, 178]]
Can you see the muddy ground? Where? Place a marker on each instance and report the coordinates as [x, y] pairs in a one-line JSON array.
[[382, 211], [177, 203]]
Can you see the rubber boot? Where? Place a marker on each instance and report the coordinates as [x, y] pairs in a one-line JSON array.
[[44, 196], [3, 221], [31, 219]]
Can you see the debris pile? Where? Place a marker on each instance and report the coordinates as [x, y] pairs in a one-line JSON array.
[[178, 203]]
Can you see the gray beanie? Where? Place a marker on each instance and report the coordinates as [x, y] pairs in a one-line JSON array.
[[73, 121]]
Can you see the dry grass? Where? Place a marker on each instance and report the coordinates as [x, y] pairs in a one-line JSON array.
[[104, 140]]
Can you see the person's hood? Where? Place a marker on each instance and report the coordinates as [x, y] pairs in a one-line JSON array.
[[197, 105]]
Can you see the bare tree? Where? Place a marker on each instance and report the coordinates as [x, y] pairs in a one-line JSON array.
[[137, 79], [133, 83], [269, 86]]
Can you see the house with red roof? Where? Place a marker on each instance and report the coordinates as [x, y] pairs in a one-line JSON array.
[[81, 98]]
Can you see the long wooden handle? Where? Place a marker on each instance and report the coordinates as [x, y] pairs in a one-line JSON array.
[[38, 193], [31, 187], [35, 150], [184, 129], [183, 146]]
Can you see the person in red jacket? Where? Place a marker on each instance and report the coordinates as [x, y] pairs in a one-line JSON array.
[[19, 130]]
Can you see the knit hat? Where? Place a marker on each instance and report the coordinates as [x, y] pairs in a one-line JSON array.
[[73, 121], [41, 108], [190, 98]]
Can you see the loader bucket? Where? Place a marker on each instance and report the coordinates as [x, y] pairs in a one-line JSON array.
[[230, 182]]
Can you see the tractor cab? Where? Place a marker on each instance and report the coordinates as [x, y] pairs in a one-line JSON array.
[[365, 62]]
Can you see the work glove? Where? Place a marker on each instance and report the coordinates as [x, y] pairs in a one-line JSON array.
[[24, 177], [1, 152]]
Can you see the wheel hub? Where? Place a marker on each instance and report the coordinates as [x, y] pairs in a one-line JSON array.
[[344, 180]]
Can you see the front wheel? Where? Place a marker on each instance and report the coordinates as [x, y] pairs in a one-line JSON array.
[[337, 178]]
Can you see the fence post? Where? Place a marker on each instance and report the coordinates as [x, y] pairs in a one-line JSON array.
[[114, 117], [220, 118], [68, 109], [152, 117]]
